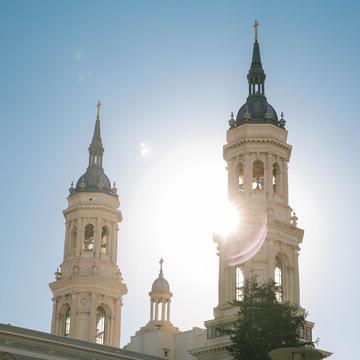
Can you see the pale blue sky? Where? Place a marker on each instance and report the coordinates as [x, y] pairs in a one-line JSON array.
[[169, 73]]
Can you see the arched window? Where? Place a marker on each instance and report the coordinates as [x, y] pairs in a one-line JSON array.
[[100, 325], [89, 237], [104, 239], [240, 177], [279, 279], [239, 284], [258, 175], [275, 177], [67, 320]]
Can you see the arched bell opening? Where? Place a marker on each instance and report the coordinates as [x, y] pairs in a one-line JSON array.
[[89, 236], [240, 179], [276, 179], [258, 175]]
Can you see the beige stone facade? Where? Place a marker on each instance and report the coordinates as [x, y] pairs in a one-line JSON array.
[[23, 344]]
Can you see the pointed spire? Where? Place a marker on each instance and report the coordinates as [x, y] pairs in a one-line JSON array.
[[96, 148], [95, 179], [256, 58], [256, 76], [97, 136], [257, 109]]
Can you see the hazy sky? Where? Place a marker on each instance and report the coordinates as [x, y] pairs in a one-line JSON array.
[[168, 74]]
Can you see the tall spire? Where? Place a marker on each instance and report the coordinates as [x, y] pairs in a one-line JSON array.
[[256, 109], [256, 76], [94, 179], [97, 136], [96, 148]]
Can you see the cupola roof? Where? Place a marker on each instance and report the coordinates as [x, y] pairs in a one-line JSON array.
[[256, 109], [160, 285], [95, 179]]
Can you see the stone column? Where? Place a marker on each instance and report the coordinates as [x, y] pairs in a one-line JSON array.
[[231, 175], [66, 244], [248, 173], [53, 320], [285, 183], [156, 310], [168, 311], [267, 173], [296, 278], [79, 238], [92, 317], [151, 310], [116, 328], [162, 309], [112, 250], [73, 318], [97, 239]]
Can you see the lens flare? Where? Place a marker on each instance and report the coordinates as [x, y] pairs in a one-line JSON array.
[[145, 150], [249, 240], [227, 219]]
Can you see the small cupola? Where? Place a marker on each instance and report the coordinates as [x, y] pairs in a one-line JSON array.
[[160, 299]]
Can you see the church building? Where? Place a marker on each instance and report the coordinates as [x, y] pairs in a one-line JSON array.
[[88, 290], [266, 242]]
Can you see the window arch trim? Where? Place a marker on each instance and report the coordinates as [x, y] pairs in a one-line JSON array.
[[101, 324]]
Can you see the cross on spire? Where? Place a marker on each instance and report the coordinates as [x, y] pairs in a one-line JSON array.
[[161, 265], [256, 25], [98, 105]]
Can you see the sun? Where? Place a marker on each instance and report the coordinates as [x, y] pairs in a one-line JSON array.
[[227, 219]]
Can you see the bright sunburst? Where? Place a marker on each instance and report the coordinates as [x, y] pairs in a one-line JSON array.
[[226, 219]]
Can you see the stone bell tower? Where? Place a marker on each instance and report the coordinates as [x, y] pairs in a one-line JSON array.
[[88, 289], [266, 242]]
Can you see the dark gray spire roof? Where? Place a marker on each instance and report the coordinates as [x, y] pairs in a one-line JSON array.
[[95, 179], [256, 110], [256, 58]]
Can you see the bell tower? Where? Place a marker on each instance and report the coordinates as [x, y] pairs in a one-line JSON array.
[[266, 241], [88, 287]]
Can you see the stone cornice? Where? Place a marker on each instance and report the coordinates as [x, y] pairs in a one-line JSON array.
[[91, 207], [83, 283], [221, 346], [258, 140]]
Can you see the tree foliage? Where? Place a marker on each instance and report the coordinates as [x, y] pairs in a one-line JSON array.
[[264, 323]]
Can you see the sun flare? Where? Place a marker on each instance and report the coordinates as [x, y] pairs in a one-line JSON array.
[[227, 219]]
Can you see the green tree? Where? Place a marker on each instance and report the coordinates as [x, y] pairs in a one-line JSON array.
[[264, 323]]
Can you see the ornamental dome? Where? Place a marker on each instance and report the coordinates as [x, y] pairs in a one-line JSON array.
[[160, 285], [257, 110], [94, 180]]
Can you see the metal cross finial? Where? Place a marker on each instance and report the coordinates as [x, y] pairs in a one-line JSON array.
[[161, 265], [98, 109], [256, 25]]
